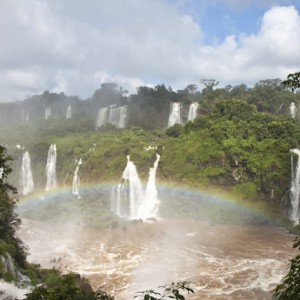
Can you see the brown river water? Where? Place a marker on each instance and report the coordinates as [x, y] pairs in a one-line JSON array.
[[222, 261]]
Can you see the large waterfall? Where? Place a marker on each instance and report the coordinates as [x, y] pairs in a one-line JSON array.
[[51, 168], [26, 178], [76, 179], [69, 112], [129, 201], [295, 186], [114, 115], [193, 111], [175, 114]]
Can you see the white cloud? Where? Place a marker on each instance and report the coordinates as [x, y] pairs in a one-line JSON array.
[[74, 46], [272, 52]]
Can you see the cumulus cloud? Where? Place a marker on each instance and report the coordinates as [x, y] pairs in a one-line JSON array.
[[73, 46], [270, 53]]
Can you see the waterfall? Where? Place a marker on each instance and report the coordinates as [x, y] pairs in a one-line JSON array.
[[293, 110], [150, 205], [47, 113], [175, 114], [26, 179], [25, 114], [69, 112], [102, 117], [113, 115], [10, 291], [295, 186], [193, 111], [51, 168], [129, 201], [122, 116], [10, 267], [1, 172], [129, 194], [76, 179]]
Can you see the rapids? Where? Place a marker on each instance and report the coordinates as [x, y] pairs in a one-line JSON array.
[[225, 261]]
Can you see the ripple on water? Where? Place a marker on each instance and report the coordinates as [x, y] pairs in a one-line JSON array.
[[223, 261]]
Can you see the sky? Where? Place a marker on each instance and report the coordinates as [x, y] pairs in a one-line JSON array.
[[73, 46]]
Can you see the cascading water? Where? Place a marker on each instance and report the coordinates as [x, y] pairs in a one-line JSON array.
[[295, 186], [47, 113], [293, 110], [25, 115], [51, 168], [69, 112], [122, 116], [1, 172], [102, 117], [113, 115], [150, 205], [193, 111], [10, 267], [76, 179], [129, 194], [175, 114], [26, 178], [129, 201]]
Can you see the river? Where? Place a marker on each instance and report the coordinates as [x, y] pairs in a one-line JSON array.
[[222, 261]]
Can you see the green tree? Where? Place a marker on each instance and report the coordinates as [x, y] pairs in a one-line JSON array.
[[9, 220], [172, 291], [289, 289], [67, 287], [293, 81]]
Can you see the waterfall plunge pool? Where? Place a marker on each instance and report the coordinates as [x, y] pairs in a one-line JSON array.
[[215, 243]]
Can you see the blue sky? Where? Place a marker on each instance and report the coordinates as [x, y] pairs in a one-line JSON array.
[[220, 18], [73, 46]]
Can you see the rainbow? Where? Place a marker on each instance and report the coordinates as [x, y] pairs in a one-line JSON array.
[[215, 199]]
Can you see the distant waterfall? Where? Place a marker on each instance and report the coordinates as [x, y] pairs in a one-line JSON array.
[[69, 112], [293, 110], [129, 201], [122, 117], [175, 114], [295, 186], [26, 178], [1, 172], [76, 179], [117, 116], [102, 117], [51, 168], [25, 115], [193, 111], [48, 113], [114, 115]]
